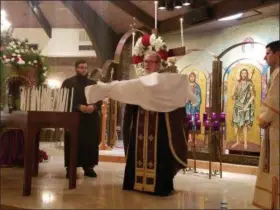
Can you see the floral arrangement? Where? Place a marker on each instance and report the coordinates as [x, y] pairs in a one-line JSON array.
[[145, 44], [43, 156], [20, 55]]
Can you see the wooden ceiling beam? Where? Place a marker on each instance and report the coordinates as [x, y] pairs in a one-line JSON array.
[[104, 39], [191, 18], [134, 11], [34, 6], [211, 13], [230, 7]]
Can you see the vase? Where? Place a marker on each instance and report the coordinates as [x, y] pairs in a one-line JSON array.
[[30, 74]]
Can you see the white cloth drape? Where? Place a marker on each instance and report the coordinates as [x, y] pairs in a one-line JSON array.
[[163, 92]]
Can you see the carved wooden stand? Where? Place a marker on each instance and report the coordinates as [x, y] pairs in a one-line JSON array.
[[103, 145], [35, 120]]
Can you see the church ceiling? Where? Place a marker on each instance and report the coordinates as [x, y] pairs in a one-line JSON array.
[[119, 14]]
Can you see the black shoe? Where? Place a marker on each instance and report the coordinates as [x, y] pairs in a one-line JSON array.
[[90, 173]]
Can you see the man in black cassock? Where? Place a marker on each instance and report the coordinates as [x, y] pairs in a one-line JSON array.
[[155, 144], [89, 127], [154, 131]]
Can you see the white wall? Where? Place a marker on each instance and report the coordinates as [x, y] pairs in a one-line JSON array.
[[263, 31], [64, 42]]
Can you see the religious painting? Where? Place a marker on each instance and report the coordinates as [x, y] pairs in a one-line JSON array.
[[190, 107], [242, 107], [198, 82]]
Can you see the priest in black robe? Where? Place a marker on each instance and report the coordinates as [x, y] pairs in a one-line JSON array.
[[155, 135], [89, 127]]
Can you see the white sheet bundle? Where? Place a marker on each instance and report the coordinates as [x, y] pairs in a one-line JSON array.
[[163, 92]]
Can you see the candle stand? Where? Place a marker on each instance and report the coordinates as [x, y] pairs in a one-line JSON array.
[[213, 127], [194, 127], [214, 130]]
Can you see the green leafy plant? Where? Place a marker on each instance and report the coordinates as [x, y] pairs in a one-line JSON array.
[[22, 56]]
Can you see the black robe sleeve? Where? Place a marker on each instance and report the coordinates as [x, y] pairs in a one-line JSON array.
[[127, 124]]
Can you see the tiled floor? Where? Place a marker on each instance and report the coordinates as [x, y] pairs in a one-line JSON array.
[[50, 189]]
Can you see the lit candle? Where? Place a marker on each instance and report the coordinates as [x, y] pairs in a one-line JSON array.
[[222, 117], [182, 33], [216, 126], [190, 125], [213, 116], [205, 117], [72, 96], [197, 117], [207, 125], [198, 125], [156, 7], [133, 41], [67, 99]]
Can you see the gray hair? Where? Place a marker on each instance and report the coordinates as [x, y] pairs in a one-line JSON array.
[[155, 54]]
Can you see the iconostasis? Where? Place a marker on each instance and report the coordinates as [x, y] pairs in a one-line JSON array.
[[199, 79], [242, 100], [198, 83], [245, 76], [244, 87]]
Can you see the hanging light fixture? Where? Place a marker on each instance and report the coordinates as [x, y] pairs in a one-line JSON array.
[[178, 4], [232, 17], [171, 4], [186, 2], [161, 4]]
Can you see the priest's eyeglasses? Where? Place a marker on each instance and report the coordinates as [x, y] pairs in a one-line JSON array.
[[150, 61]]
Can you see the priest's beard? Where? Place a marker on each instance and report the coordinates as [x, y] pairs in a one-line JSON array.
[[79, 74]]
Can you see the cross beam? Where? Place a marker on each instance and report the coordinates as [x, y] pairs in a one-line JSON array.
[[134, 11], [104, 39], [34, 6]]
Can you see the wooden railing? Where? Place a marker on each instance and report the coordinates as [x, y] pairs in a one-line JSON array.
[[103, 145]]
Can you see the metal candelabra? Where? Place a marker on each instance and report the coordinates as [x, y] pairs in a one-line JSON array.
[[213, 126]]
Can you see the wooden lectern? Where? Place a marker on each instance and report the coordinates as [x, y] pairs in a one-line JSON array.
[[32, 122]]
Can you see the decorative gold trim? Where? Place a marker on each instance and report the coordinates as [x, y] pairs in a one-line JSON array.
[[145, 147], [130, 130], [126, 156], [155, 150], [170, 141], [186, 139], [144, 171], [138, 172], [151, 173], [150, 187], [138, 186]]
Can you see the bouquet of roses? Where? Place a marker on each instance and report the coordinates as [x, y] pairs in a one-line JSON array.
[[43, 156], [22, 56]]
